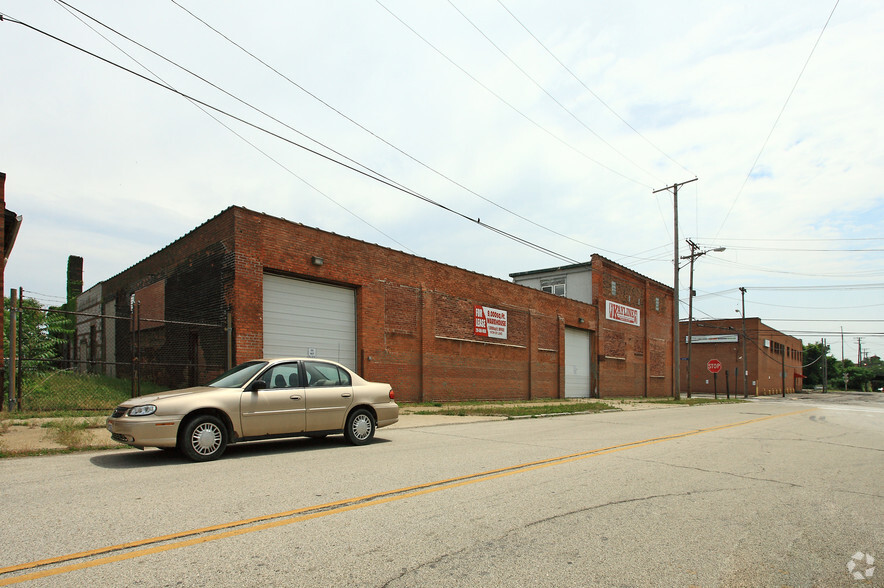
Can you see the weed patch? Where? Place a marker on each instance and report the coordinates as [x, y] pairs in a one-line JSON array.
[[519, 410], [695, 401], [71, 432]]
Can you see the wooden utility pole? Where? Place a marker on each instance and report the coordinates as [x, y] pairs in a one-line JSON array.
[[825, 367], [745, 369], [783, 367], [695, 253], [676, 352]]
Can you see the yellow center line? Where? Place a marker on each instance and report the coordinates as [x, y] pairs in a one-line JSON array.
[[242, 527]]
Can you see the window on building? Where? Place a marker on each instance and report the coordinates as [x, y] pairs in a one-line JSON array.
[[657, 303], [613, 288], [554, 285]]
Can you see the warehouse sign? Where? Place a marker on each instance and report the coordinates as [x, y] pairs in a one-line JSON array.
[[713, 339], [490, 322], [622, 313]]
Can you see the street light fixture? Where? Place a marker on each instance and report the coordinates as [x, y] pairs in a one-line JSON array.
[[695, 253]]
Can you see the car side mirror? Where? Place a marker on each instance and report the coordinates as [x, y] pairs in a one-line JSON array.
[[258, 385]]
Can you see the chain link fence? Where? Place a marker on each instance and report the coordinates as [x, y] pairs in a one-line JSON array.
[[67, 360]]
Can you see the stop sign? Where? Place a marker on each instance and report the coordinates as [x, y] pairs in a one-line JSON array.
[[713, 365]]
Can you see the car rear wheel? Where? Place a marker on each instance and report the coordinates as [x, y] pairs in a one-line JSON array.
[[360, 427], [204, 438]]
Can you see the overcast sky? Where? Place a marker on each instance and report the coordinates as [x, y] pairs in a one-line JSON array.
[[552, 121]]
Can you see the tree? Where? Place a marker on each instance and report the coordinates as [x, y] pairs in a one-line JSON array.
[[813, 363], [43, 332]]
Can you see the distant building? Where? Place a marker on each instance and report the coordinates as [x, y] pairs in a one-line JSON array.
[[773, 359]]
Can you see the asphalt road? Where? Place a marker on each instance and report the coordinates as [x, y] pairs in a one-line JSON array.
[[769, 493]]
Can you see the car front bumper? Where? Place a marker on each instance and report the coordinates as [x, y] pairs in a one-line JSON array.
[[149, 431]]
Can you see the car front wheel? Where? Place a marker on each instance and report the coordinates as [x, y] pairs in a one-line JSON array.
[[360, 427], [204, 438]]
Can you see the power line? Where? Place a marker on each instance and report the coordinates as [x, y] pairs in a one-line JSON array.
[[770, 330], [505, 102], [588, 89], [782, 110], [796, 239], [545, 91], [257, 127], [786, 320], [817, 274], [718, 294], [227, 93], [72, 10], [804, 250], [830, 287], [380, 138]]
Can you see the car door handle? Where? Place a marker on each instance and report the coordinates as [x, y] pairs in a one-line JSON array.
[[345, 395], [295, 397]]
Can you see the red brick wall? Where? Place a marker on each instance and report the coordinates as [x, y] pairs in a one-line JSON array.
[[2, 252], [414, 316], [634, 360]]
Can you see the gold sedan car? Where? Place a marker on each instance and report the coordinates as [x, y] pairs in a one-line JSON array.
[[261, 399]]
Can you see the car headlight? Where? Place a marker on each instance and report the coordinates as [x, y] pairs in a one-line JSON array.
[[143, 410]]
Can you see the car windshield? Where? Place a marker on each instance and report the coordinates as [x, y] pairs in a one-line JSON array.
[[238, 376]]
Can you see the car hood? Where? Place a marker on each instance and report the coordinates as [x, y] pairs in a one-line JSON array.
[[170, 394]]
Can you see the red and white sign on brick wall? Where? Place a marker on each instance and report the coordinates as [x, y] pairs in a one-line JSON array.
[[490, 322], [622, 313]]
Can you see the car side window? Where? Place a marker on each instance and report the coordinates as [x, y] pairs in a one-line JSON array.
[[285, 375], [325, 374]]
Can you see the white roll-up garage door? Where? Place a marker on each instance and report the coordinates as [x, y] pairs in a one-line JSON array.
[[309, 319], [577, 353]]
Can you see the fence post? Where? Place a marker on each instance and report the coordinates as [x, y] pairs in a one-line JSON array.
[[18, 357], [13, 343], [132, 350], [229, 341]]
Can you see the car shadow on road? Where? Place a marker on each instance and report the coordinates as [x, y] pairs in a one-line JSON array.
[[135, 458]]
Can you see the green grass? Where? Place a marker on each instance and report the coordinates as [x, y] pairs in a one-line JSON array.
[[65, 391], [517, 410]]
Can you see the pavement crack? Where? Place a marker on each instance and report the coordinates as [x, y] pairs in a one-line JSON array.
[[735, 475], [619, 502], [503, 536], [844, 445]]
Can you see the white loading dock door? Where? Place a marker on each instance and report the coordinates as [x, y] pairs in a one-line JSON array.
[[309, 319], [577, 353]]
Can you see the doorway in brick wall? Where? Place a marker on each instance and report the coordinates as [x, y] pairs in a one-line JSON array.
[[577, 363]]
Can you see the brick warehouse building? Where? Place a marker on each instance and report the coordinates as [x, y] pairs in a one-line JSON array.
[[768, 352], [433, 331], [635, 328]]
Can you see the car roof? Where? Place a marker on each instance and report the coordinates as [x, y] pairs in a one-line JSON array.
[[279, 359]]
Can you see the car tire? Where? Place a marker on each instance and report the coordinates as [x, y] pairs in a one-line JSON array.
[[360, 427], [203, 438]]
